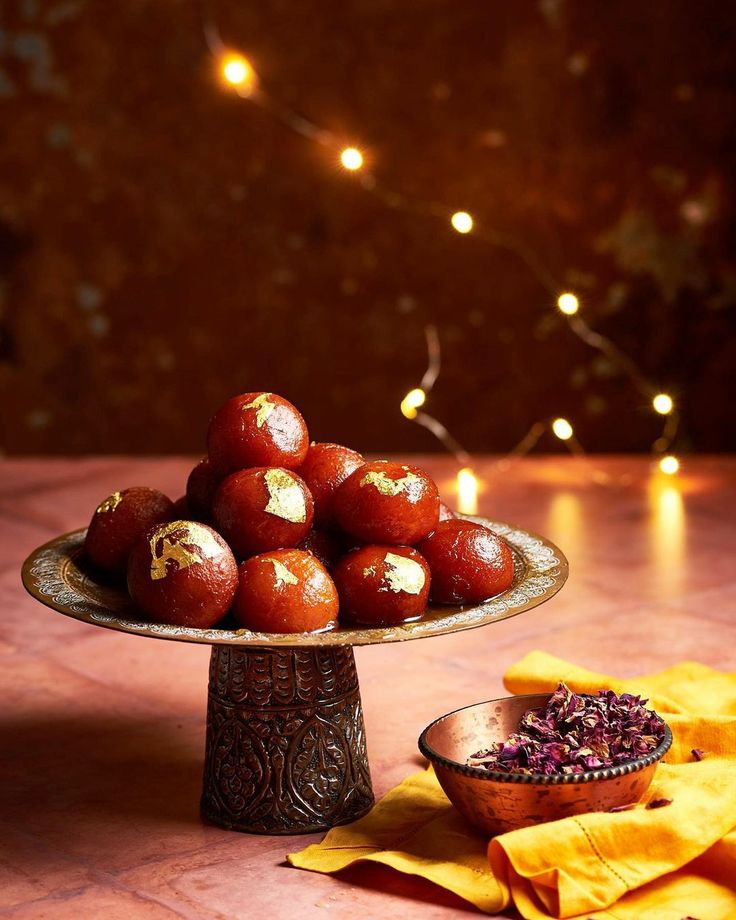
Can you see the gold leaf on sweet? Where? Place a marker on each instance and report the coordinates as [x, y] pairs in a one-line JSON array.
[[183, 543], [263, 406], [403, 574], [110, 503], [285, 498], [283, 575], [387, 486]]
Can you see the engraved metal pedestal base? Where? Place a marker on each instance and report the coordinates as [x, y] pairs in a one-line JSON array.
[[286, 747]]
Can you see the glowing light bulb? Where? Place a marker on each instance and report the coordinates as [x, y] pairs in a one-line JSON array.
[[462, 221], [412, 401], [467, 491], [669, 465], [351, 158], [562, 429], [663, 404], [568, 303], [238, 72]]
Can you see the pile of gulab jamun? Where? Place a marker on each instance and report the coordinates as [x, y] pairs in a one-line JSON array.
[[276, 534]]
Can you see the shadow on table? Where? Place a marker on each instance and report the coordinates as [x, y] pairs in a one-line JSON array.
[[93, 768], [411, 887]]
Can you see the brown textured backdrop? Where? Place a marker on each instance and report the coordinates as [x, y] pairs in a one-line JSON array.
[[164, 244]]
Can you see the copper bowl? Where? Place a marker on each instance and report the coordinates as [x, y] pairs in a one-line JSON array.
[[500, 802]]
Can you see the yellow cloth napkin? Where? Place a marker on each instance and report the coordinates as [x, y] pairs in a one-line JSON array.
[[645, 864]]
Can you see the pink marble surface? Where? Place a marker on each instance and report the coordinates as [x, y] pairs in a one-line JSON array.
[[102, 734]]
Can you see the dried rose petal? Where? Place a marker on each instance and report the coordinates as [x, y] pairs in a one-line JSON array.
[[659, 803], [575, 733], [697, 753]]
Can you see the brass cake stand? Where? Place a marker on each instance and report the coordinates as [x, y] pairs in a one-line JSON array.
[[285, 748]]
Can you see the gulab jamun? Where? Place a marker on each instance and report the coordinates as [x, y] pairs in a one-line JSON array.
[[182, 511], [384, 502], [469, 562], [326, 468], [446, 513], [256, 429], [119, 521], [263, 508], [382, 585], [326, 545], [201, 487], [183, 573], [285, 591]]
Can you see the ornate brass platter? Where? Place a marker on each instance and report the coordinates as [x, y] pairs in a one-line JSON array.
[[285, 745], [55, 574]]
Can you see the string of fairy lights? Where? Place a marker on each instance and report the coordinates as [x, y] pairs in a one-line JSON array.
[[238, 74]]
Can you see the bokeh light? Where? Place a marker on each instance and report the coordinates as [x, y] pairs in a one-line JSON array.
[[663, 404], [568, 303], [467, 491], [562, 429], [351, 158], [669, 465], [237, 71], [412, 401], [462, 221]]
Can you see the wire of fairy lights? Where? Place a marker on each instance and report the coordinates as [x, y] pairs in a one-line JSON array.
[[238, 74]]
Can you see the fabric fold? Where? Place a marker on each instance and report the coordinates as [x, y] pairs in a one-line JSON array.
[[415, 830]]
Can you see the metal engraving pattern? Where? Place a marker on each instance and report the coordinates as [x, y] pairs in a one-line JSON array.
[[55, 574], [286, 746]]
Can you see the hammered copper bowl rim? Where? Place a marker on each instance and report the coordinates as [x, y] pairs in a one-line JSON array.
[[622, 769]]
